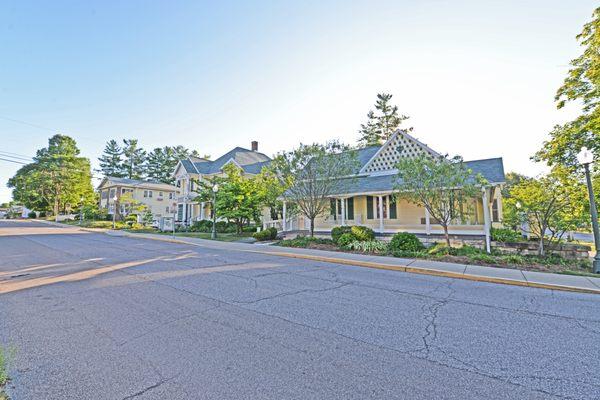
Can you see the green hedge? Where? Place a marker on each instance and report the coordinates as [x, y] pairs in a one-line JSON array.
[[266, 234], [404, 241], [338, 231]]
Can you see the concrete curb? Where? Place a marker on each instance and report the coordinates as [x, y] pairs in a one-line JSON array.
[[391, 267]]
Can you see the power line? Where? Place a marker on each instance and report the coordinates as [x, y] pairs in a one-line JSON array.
[[18, 157], [18, 121], [13, 161]]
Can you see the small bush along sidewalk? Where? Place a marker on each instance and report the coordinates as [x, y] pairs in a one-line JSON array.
[[360, 239]]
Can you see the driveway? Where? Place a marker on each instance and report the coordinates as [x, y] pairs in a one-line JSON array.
[[98, 317]]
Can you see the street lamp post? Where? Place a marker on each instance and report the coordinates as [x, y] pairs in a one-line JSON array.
[[114, 211], [585, 158], [215, 189]]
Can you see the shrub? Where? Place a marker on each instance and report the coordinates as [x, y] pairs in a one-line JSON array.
[[404, 241], [131, 218], [345, 240], [201, 226], [32, 215], [371, 246], [42, 214], [409, 254], [304, 241], [504, 235], [339, 231], [513, 259], [266, 234], [362, 233]]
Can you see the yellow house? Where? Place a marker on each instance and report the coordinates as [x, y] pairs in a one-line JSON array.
[[117, 193], [369, 200], [192, 170]]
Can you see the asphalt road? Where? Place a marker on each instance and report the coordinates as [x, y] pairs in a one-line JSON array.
[[92, 316]]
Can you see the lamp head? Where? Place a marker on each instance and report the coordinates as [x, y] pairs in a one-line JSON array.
[[215, 188], [585, 156]]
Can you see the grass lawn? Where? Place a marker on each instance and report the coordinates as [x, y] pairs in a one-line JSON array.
[[223, 237]]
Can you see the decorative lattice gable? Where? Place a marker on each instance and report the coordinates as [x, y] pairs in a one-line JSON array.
[[400, 145]]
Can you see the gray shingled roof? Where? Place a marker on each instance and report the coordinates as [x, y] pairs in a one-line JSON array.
[[250, 161], [491, 169]]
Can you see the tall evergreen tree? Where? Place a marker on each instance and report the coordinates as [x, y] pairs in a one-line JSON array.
[[134, 158], [381, 125], [159, 164], [111, 162]]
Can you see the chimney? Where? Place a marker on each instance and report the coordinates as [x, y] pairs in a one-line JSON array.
[[254, 145]]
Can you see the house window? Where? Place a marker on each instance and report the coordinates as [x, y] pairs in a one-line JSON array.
[[149, 193], [370, 207], [350, 208], [495, 213], [145, 193], [112, 193], [171, 196], [167, 209], [179, 212], [160, 194]]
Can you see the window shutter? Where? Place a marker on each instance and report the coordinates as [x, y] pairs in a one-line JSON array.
[[332, 208], [369, 207], [350, 208], [393, 210]]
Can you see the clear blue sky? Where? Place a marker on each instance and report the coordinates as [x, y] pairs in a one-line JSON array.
[[476, 77]]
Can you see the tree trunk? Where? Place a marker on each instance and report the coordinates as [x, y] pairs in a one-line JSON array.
[[55, 210], [541, 249], [312, 227], [446, 235]]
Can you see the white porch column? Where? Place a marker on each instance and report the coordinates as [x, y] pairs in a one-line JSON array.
[[427, 222], [380, 213], [343, 201], [284, 224], [486, 219], [202, 210], [191, 213]]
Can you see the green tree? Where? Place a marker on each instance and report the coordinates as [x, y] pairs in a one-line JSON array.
[[161, 162], [445, 187], [57, 179], [134, 158], [582, 84], [550, 205], [111, 162], [240, 198], [312, 173], [381, 125]]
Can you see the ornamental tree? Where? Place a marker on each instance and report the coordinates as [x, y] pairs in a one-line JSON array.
[[550, 205], [313, 173], [444, 186]]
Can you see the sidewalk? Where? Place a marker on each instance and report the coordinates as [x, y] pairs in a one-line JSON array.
[[471, 272]]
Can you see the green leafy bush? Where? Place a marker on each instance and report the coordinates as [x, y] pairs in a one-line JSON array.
[[338, 231], [504, 235], [266, 234], [362, 233], [345, 240], [304, 241], [404, 241], [513, 259], [32, 215], [42, 214], [201, 226], [371, 246], [409, 254]]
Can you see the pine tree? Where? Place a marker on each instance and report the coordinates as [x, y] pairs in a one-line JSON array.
[[158, 165], [381, 126], [134, 159], [111, 163]]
